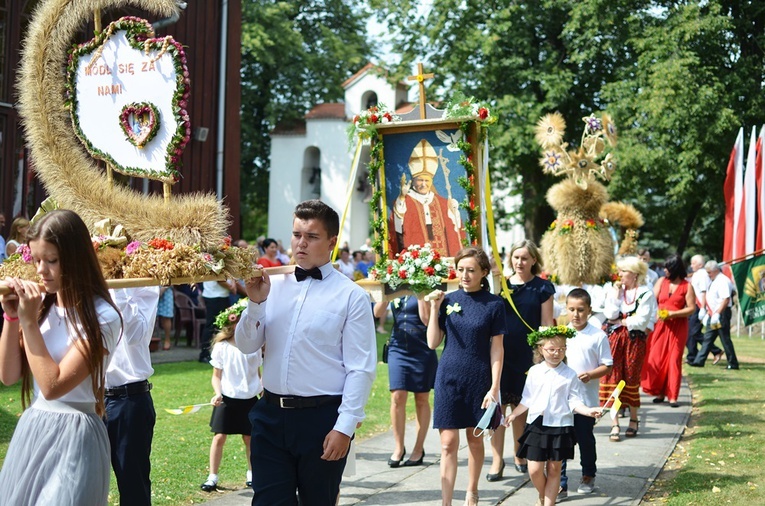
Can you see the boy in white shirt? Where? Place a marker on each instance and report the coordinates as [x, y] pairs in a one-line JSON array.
[[589, 354]]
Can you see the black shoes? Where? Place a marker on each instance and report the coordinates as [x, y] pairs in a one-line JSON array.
[[209, 486], [522, 468], [498, 476], [733, 367], [418, 462], [395, 463], [658, 400]]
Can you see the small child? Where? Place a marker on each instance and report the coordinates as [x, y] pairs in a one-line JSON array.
[[589, 354], [236, 382], [551, 393]]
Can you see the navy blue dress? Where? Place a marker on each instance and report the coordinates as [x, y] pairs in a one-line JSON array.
[[519, 357], [411, 364], [464, 372]]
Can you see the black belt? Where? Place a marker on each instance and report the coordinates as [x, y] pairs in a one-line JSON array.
[[139, 387], [297, 402]]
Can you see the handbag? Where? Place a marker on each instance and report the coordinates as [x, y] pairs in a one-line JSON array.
[[385, 353]]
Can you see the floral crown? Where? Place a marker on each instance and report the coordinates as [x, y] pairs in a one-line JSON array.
[[550, 332], [231, 315]]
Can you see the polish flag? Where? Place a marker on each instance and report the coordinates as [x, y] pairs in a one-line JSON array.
[[747, 216], [733, 194]]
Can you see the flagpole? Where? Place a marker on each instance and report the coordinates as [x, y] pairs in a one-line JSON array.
[[742, 258]]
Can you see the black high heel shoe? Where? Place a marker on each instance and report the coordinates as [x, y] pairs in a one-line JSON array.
[[418, 462], [498, 476], [395, 463]]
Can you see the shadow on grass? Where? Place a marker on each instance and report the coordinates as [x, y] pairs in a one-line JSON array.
[[695, 482]]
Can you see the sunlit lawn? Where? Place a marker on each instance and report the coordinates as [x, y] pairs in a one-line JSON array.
[[720, 458]]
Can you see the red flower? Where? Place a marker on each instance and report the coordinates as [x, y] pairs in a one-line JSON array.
[[402, 274], [390, 269], [452, 274], [356, 119], [373, 118], [430, 271], [436, 255], [415, 253], [483, 113], [388, 116], [163, 244]]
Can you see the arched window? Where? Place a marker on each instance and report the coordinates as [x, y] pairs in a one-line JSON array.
[[368, 100], [310, 181]]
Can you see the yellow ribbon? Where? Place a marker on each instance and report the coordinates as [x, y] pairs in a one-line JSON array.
[[455, 308], [349, 195], [506, 292]]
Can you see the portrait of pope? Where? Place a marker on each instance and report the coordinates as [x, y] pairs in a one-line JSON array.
[[419, 214]]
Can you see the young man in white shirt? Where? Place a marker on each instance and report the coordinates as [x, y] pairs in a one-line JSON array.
[[589, 354], [130, 414], [717, 318], [318, 369]]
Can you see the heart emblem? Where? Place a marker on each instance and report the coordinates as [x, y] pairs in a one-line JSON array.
[[139, 122], [127, 96]]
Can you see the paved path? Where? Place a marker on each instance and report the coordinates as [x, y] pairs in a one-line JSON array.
[[625, 469]]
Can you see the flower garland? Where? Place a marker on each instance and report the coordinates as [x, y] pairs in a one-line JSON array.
[[364, 124], [231, 315], [549, 332], [420, 267], [568, 225], [140, 36], [135, 111]]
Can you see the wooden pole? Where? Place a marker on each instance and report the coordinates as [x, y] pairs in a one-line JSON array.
[[420, 78]]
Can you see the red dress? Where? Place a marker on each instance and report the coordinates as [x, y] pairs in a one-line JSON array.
[[662, 369], [265, 262]]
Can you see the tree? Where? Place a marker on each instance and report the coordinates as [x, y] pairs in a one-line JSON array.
[[295, 54], [679, 77]]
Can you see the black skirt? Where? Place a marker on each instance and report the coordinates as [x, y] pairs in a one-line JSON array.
[[541, 443], [232, 416]]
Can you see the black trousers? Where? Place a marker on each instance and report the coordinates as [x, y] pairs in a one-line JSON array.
[[724, 333], [130, 424], [214, 306], [287, 445], [695, 338]]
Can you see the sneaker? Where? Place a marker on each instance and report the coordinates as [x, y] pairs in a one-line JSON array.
[[209, 485], [562, 495], [587, 485]]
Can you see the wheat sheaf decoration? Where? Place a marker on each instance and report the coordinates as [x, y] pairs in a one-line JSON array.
[[69, 173]]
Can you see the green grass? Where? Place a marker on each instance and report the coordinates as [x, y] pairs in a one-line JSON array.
[[180, 450], [720, 458]]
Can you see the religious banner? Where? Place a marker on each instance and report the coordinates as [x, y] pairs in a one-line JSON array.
[[750, 283], [127, 97]]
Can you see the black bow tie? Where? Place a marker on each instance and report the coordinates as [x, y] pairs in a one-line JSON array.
[[301, 274]]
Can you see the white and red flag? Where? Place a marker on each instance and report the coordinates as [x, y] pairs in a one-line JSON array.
[[733, 192]]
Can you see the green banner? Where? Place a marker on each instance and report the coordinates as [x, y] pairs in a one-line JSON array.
[[750, 282]]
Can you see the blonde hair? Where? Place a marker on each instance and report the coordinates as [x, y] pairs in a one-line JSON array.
[[635, 265], [223, 334], [538, 357], [533, 252]]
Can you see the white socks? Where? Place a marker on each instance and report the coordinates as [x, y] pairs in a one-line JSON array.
[[212, 477], [249, 475]]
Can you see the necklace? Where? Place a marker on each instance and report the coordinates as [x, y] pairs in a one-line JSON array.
[[634, 296]]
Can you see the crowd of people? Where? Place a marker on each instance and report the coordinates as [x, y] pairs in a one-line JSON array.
[[546, 364]]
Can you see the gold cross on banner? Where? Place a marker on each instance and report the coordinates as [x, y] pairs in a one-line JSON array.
[[420, 78]]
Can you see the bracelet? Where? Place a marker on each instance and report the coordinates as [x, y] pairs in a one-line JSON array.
[[10, 318]]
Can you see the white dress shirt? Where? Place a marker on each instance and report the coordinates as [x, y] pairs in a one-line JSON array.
[[700, 282], [586, 351], [644, 315], [718, 291], [130, 360], [59, 339], [320, 340], [552, 392], [239, 377]]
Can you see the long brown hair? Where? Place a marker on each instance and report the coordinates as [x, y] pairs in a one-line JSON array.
[[81, 284], [481, 257]]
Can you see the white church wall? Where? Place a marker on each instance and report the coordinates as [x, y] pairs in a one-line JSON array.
[[284, 193], [386, 94]]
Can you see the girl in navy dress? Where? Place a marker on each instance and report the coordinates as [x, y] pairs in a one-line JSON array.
[[470, 322], [551, 395], [411, 368]]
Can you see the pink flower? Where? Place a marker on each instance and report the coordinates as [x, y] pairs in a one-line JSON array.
[[233, 317], [132, 247], [25, 252]]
